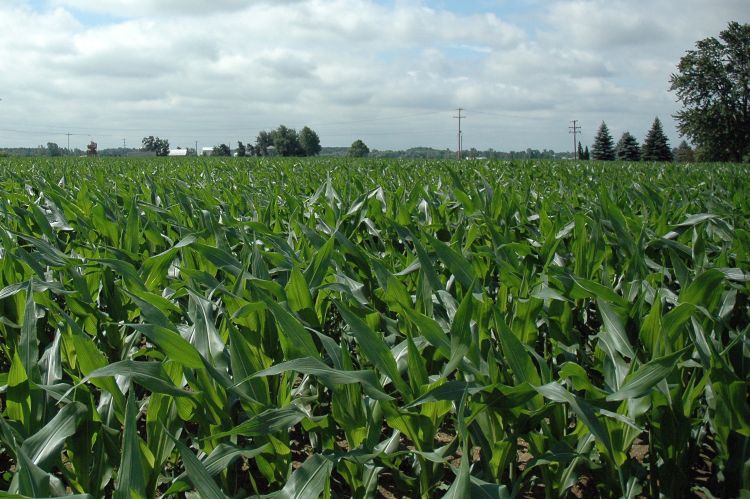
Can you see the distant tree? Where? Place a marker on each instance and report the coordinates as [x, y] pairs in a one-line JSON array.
[[627, 148], [580, 151], [586, 154], [713, 84], [53, 149], [241, 151], [684, 153], [91, 149], [656, 145], [359, 149], [309, 142], [603, 149], [250, 150], [155, 144], [222, 150], [286, 142], [262, 142]]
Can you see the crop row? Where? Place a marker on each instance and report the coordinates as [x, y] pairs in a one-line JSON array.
[[344, 328]]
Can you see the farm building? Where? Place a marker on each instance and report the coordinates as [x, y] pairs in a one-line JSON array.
[[207, 151], [178, 152]]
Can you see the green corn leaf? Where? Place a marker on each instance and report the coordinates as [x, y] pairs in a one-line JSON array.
[[373, 347], [450, 390], [220, 258], [155, 268], [460, 333], [28, 345], [704, 289], [131, 478], [294, 338], [614, 329], [461, 486], [516, 355], [318, 268], [46, 443], [327, 375], [174, 346], [204, 334], [309, 480], [553, 391], [456, 263], [640, 382], [265, 423], [197, 473], [18, 397], [150, 375], [32, 480]]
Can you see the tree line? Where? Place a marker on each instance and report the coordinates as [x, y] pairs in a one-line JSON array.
[[655, 147]]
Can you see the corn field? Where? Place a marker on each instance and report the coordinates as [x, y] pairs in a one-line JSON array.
[[360, 328]]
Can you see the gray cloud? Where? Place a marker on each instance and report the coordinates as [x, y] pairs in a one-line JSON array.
[[387, 72]]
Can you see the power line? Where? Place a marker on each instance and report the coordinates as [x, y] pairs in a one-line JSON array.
[[460, 137], [574, 129]]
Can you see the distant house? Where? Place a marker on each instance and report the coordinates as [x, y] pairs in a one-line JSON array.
[[207, 151], [178, 152]]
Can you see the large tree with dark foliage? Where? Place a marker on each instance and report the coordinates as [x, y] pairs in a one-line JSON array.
[[656, 146], [222, 150], [155, 144], [603, 149], [713, 84], [627, 148], [359, 149], [262, 142], [309, 142], [286, 141]]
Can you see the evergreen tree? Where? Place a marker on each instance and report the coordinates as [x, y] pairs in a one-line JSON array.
[[586, 154], [241, 150], [580, 151], [684, 153], [627, 148], [656, 145], [603, 149]]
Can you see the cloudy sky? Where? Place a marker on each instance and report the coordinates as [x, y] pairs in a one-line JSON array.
[[391, 72]]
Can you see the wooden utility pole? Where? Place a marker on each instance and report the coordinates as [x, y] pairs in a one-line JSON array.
[[460, 136], [574, 129]]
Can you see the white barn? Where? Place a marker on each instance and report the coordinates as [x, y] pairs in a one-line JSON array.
[[178, 152]]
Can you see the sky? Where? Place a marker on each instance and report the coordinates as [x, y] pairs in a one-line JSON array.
[[390, 72]]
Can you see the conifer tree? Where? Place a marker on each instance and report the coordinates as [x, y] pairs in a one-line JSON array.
[[580, 150], [627, 148], [656, 145], [603, 149], [586, 154]]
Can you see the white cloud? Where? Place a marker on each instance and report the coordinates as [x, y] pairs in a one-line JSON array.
[[220, 70]]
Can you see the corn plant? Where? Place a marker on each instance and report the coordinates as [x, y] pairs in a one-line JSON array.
[[366, 328]]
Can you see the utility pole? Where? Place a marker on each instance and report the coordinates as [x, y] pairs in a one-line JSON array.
[[68, 134], [574, 129], [124, 145], [460, 136], [196, 148]]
